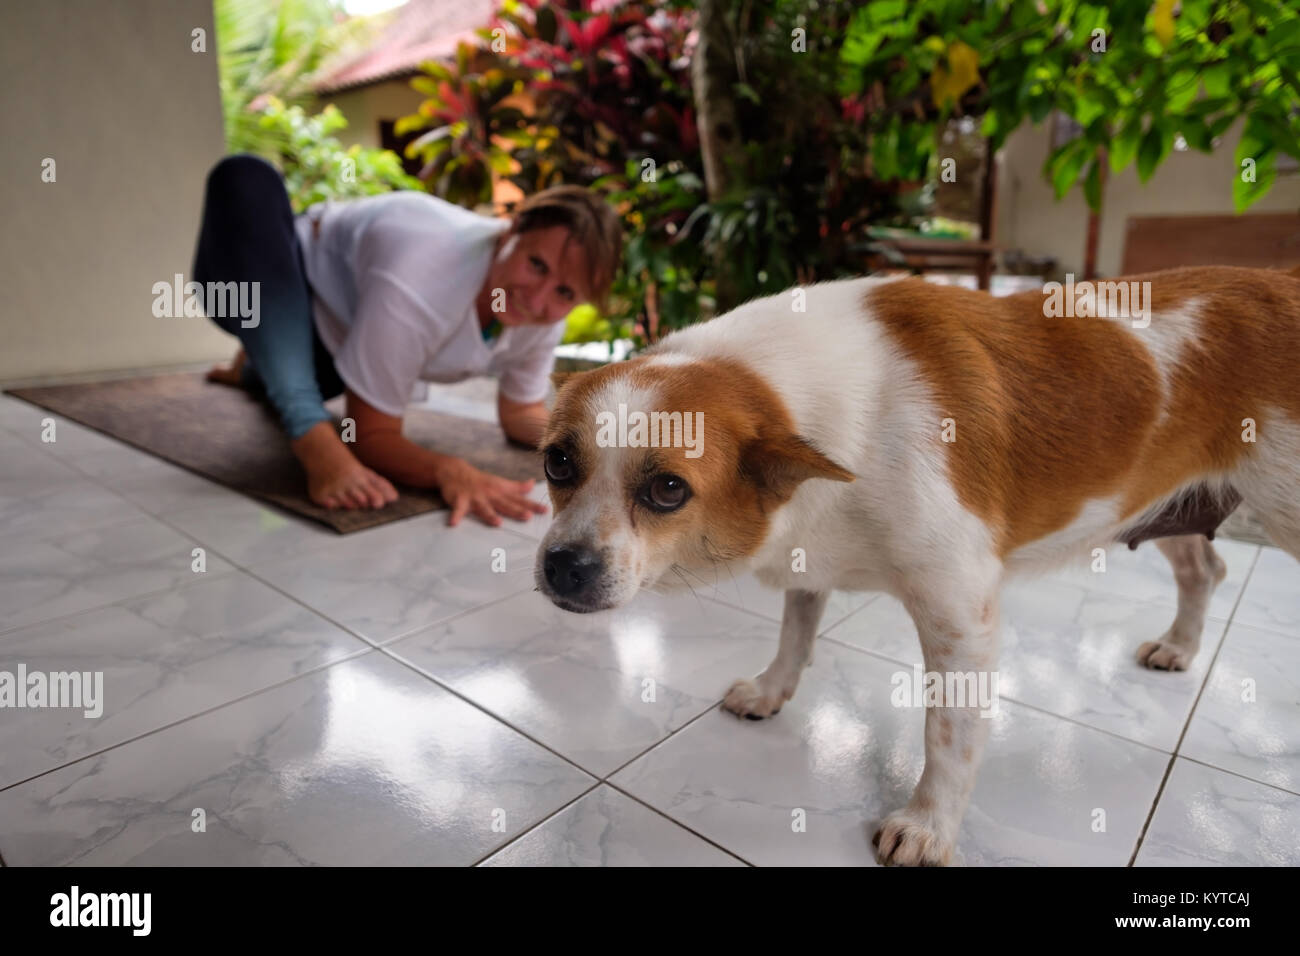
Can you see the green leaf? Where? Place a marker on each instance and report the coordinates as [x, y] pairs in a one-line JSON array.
[[1087, 110], [1218, 80], [1246, 193], [427, 86], [1065, 164], [1180, 91], [1255, 141], [884, 11], [1124, 147], [1197, 135], [1092, 186], [436, 70], [408, 124], [1151, 151]]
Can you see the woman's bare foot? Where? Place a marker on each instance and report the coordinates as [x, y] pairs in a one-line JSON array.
[[228, 374], [335, 479]]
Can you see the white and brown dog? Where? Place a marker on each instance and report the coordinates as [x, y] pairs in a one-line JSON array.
[[927, 441]]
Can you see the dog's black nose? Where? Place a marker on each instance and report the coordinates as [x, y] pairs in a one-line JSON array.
[[570, 571]]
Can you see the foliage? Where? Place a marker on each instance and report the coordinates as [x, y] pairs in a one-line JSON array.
[[599, 93], [1134, 76], [317, 167], [272, 48], [268, 51]]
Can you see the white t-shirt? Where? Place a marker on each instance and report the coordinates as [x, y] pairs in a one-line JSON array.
[[394, 279]]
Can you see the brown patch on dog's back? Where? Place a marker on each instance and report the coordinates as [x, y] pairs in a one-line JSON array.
[[1051, 412]]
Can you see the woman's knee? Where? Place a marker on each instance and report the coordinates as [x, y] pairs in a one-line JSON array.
[[245, 176]]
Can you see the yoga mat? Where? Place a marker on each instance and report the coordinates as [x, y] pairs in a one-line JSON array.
[[230, 436]]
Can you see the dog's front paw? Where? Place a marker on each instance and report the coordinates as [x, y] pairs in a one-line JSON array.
[[753, 699], [1165, 655], [911, 838]]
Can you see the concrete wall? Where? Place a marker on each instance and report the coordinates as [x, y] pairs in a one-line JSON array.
[[132, 118], [1187, 183], [366, 106]]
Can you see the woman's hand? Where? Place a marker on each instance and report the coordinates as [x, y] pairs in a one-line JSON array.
[[467, 489]]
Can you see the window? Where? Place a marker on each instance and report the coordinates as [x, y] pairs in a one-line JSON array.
[[397, 144]]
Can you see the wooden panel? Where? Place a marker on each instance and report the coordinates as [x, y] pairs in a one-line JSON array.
[[1262, 240]]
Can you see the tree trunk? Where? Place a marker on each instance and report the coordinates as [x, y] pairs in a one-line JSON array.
[[713, 71]]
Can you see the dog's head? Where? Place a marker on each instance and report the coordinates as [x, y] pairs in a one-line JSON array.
[[661, 464]]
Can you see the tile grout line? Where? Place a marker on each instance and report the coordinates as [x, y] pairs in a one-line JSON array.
[[631, 796], [438, 682], [619, 790], [1235, 773], [606, 781], [382, 648], [1191, 714], [168, 589], [140, 514], [359, 652], [369, 647], [531, 827], [1015, 700]]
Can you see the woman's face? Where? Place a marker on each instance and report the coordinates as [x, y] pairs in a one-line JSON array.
[[540, 273]]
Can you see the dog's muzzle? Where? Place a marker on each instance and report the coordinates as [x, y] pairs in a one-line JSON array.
[[571, 576]]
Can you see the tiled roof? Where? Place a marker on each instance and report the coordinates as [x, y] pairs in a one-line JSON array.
[[421, 30]]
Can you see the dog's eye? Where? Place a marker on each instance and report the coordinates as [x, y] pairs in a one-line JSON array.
[[665, 493], [559, 467]]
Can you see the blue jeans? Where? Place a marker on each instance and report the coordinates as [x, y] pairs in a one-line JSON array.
[[248, 236]]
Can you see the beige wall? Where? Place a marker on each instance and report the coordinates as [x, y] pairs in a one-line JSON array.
[[1187, 183], [132, 118], [365, 107]]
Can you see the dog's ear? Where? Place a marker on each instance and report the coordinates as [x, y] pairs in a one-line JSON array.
[[777, 466], [559, 378]]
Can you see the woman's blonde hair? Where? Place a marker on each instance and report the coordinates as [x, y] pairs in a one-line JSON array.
[[592, 222]]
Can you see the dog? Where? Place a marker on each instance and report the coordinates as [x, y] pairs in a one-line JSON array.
[[928, 441]]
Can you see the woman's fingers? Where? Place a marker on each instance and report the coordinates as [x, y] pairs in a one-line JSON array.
[[517, 508], [459, 506], [483, 508]]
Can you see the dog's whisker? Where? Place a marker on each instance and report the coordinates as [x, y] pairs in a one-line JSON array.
[[679, 574]]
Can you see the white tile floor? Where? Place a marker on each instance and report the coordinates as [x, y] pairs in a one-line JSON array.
[[386, 697]]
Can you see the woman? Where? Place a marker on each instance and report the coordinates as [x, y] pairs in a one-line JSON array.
[[370, 296]]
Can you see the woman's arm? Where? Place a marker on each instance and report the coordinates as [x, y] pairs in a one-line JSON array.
[[381, 445], [525, 422]]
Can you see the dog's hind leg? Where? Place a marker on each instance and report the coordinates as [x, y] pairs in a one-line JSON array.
[[764, 695], [1198, 571]]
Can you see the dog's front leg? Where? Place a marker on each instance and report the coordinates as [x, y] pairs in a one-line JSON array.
[[764, 695], [959, 645]]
